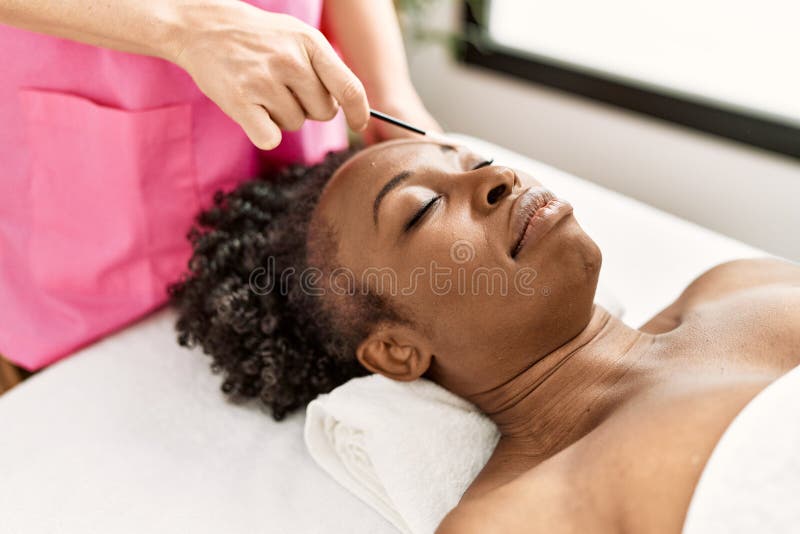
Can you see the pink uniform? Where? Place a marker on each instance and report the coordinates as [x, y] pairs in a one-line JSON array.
[[105, 158]]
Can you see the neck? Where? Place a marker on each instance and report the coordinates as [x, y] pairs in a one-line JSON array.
[[568, 392]]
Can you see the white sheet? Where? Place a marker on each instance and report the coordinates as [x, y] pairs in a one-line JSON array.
[[132, 435]]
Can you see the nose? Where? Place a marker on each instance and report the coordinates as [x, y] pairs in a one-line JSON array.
[[491, 185]]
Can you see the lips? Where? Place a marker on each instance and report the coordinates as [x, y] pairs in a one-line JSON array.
[[525, 208]]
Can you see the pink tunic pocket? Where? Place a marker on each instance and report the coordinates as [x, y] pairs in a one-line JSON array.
[[112, 195]]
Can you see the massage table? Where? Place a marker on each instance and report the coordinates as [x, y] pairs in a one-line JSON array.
[[132, 433]]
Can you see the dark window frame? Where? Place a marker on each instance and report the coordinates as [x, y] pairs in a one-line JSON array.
[[739, 126]]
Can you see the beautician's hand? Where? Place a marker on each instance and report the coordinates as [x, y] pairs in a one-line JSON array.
[[267, 71]]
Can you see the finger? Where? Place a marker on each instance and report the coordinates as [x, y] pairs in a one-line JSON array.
[[284, 109], [340, 82], [259, 127], [317, 102]]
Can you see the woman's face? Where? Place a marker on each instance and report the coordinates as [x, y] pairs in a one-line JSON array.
[[492, 269]]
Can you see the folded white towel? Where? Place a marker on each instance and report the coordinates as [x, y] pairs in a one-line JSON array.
[[408, 449]]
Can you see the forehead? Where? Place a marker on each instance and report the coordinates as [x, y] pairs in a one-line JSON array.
[[368, 170], [347, 201], [351, 191]]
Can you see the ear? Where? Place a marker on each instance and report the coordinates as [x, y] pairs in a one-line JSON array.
[[396, 352]]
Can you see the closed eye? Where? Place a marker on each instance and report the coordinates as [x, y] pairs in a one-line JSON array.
[[421, 213], [483, 164]]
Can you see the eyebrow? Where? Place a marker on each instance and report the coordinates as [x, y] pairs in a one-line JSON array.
[[386, 189], [398, 179]]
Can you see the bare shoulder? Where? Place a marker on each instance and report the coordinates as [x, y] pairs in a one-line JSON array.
[[741, 274], [499, 513], [473, 517], [721, 281], [646, 460], [542, 500]]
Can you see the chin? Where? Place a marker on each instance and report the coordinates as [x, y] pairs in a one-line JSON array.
[[574, 265], [592, 259], [587, 263], [571, 248], [585, 257]]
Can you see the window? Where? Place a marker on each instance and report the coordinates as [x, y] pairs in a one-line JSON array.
[[727, 67]]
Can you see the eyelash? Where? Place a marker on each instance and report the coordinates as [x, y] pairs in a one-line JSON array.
[[424, 209], [483, 164]]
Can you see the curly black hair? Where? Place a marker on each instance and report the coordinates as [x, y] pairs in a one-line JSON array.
[[287, 345]]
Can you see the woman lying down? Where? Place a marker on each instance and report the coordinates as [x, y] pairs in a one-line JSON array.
[[604, 428]]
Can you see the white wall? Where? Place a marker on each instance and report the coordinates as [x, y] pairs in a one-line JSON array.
[[747, 193]]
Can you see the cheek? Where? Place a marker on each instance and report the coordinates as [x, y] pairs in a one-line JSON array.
[[451, 280], [468, 306]]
